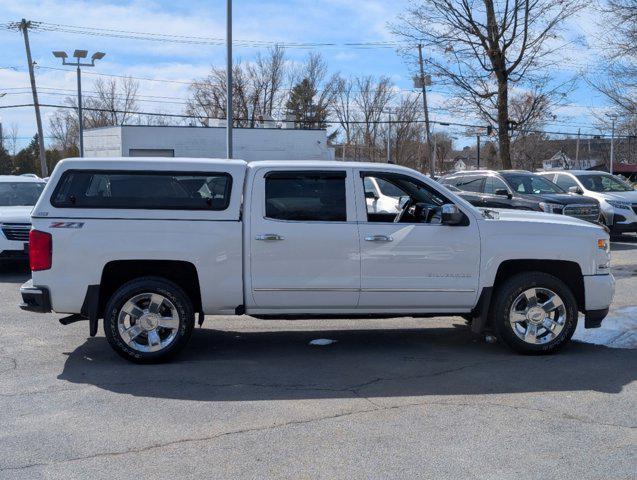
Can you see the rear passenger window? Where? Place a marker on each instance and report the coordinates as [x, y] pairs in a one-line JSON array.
[[470, 184], [143, 190], [305, 196]]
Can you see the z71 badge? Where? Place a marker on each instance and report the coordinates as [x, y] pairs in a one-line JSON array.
[[66, 225]]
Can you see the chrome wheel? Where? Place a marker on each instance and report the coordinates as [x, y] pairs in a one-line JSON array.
[[148, 322], [537, 315]]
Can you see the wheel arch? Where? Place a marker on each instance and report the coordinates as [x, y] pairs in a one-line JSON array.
[[568, 271], [118, 272]]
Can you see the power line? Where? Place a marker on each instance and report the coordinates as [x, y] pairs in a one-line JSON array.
[[197, 40]]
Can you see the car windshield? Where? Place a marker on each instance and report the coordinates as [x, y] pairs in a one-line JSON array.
[[531, 184], [603, 183], [14, 194]]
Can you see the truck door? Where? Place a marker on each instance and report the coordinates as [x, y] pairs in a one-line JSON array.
[[303, 240], [415, 263]]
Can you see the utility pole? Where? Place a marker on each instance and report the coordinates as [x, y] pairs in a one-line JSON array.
[[612, 143], [426, 110], [229, 114], [577, 150], [24, 28], [478, 149]]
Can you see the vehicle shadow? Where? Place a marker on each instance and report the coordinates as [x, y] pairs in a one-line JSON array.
[[239, 366], [14, 271]]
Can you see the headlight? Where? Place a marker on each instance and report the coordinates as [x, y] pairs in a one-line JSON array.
[[551, 207], [620, 205]]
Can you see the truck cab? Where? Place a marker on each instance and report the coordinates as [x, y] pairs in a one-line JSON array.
[[148, 244]]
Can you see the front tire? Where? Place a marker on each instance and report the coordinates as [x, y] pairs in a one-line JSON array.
[[148, 320], [534, 313]]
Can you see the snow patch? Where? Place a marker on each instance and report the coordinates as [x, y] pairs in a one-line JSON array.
[[322, 341], [618, 330]]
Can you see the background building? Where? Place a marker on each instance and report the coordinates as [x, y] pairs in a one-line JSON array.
[[249, 143]]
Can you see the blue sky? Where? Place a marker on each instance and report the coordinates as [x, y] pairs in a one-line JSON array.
[[338, 21]]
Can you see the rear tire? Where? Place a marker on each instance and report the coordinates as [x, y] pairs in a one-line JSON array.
[[148, 320], [534, 313]]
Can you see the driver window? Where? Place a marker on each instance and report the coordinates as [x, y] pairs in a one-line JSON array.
[[402, 199]]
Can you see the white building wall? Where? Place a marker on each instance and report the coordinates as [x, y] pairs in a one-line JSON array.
[[249, 144], [103, 142]]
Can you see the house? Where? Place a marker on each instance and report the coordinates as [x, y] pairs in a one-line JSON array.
[[561, 161]]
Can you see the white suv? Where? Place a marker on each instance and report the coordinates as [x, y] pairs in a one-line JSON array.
[[18, 195], [617, 199]]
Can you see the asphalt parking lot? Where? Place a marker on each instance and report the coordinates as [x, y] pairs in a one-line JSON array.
[[399, 398]]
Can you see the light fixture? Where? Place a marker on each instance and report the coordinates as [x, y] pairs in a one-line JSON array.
[[97, 56], [80, 53], [58, 54]]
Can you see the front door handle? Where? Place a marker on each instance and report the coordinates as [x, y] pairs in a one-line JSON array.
[[268, 236], [378, 238]]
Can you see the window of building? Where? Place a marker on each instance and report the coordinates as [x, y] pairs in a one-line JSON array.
[[306, 196], [143, 190]]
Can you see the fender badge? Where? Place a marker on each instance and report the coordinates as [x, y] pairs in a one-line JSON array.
[[66, 225]]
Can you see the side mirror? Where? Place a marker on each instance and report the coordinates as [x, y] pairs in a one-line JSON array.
[[451, 214], [371, 194], [575, 189], [503, 192]]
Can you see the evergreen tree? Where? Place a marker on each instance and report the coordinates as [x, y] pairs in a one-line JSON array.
[[302, 107]]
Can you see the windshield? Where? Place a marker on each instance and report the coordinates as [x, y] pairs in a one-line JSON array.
[[531, 184], [13, 194], [603, 183]]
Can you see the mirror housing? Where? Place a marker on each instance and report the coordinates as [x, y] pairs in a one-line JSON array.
[[575, 189], [503, 192], [451, 215]]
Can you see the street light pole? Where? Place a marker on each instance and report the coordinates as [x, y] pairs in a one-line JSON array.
[[389, 138], [78, 55], [229, 113], [80, 117]]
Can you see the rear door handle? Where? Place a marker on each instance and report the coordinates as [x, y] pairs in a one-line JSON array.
[[268, 236], [378, 238]]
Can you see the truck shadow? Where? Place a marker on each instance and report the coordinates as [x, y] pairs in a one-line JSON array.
[[239, 366], [14, 271]]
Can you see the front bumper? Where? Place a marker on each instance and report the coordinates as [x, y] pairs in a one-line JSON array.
[[599, 291], [35, 299]]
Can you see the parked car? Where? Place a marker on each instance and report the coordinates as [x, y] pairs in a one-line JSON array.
[[381, 196], [146, 244], [617, 198], [18, 195], [520, 190]]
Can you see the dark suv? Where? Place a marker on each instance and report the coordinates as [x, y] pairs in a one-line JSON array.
[[521, 190]]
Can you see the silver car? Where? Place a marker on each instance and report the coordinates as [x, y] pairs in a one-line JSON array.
[[617, 199]]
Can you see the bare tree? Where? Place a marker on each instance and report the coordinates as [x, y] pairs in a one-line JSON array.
[[11, 139], [618, 83], [257, 91], [371, 100], [484, 47], [113, 102], [63, 127]]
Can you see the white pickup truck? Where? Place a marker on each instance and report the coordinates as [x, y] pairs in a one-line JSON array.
[[148, 244]]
